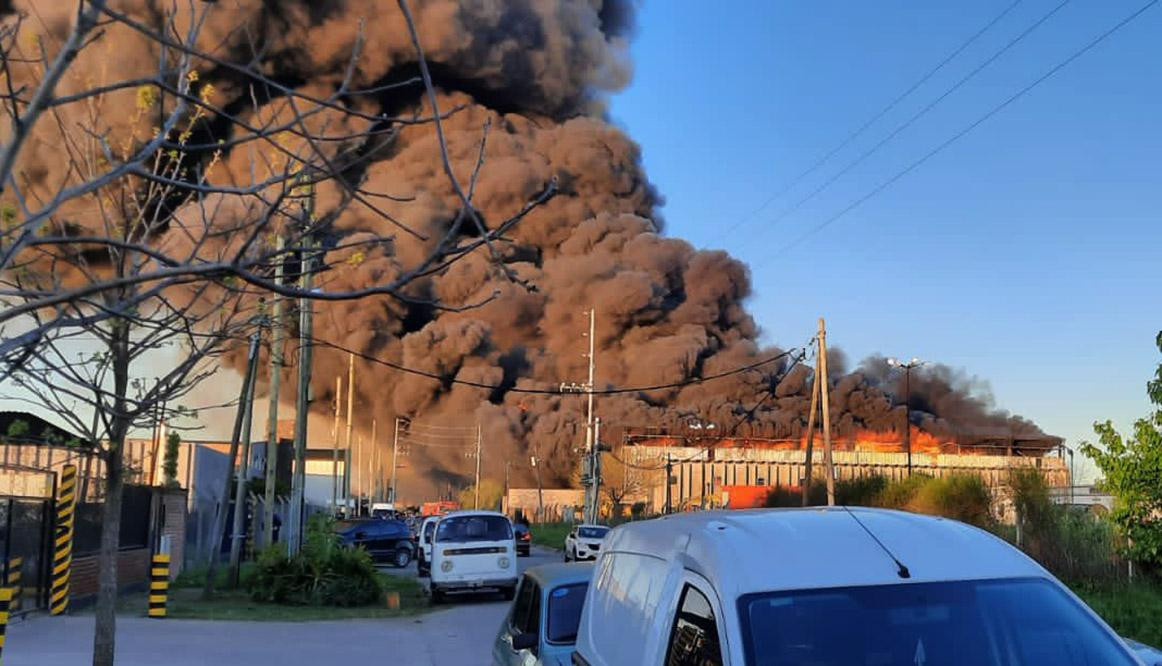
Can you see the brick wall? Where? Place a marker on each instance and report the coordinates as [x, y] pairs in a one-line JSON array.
[[173, 507], [132, 570]]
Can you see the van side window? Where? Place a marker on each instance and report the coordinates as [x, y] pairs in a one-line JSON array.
[[694, 638]]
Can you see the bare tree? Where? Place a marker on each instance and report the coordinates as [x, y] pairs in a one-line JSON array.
[[163, 214]]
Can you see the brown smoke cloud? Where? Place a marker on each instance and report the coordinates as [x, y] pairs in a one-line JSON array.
[[537, 71]]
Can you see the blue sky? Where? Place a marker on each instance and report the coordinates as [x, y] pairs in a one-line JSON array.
[[1029, 253]]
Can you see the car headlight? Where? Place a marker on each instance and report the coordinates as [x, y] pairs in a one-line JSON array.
[[502, 562], [446, 566]]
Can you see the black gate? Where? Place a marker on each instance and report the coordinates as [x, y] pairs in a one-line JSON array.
[[25, 542]]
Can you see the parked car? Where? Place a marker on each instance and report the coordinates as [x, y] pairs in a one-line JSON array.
[[584, 542], [424, 545], [524, 539], [830, 586], [386, 540], [473, 551], [541, 626]]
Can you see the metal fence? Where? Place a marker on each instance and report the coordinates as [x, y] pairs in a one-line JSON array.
[[25, 538]]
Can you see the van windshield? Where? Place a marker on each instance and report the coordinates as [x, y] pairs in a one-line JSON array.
[[1016, 622], [460, 529]]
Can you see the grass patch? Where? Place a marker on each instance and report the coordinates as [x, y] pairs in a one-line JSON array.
[[186, 603], [551, 535], [1133, 610], [195, 577]]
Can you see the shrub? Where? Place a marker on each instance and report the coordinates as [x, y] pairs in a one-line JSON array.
[[323, 573], [962, 497], [1071, 542]]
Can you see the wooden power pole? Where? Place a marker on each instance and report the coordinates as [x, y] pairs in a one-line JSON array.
[[302, 406], [824, 391], [810, 453], [276, 338], [335, 446], [476, 500], [347, 467]]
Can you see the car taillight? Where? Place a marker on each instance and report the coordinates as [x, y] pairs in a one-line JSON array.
[[525, 537]]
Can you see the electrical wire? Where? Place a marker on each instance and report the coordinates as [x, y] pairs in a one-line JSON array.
[[555, 391], [954, 138], [919, 114], [852, 136]]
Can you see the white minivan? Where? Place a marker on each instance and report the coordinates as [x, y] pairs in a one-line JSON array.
[[829, 587], [473, 551]]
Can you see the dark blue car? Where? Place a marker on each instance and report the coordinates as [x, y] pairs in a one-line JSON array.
[[388, 541]]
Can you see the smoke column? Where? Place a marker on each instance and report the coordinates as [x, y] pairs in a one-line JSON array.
[[538, 71]]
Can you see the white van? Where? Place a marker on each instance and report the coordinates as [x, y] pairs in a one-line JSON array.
[[472, 551], [829, 586]]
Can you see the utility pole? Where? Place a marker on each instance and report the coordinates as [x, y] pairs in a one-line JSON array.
[[347, 466], [476, 500], [908, 415], [540, 493], [335, 447], [504, 498], [373, 464], [231, 456], [587, 388], [394, 453], [907, 366], [237, 533], [276, 339], [302, 403], [824, 392], [595, 471], [669, 478], [808, 460], [590, 435]]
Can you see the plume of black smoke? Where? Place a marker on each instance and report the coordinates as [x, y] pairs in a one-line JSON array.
[[537, 71]]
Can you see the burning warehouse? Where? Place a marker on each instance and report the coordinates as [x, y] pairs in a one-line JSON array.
[[705, 470]]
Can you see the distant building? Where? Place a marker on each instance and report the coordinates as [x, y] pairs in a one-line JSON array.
[[702, 468]]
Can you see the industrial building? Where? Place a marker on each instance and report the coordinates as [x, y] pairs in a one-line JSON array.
[[702, 467]]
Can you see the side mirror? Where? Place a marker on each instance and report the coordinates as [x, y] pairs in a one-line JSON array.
[[525, 641]]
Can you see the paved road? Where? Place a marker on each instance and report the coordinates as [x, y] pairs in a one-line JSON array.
[[461, 634]]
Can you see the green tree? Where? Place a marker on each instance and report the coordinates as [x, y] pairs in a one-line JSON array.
[[1131, 468], [169, 465], [490, 494]]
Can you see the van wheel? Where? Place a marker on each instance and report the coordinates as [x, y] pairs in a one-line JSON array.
[[508, 593]]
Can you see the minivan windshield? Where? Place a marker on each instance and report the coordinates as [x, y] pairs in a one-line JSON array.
[[1013, 622], [592, 532], [474, 528]]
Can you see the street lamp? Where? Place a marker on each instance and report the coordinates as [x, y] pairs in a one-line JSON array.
[[907, 366]]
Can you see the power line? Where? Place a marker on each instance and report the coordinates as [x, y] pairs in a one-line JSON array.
[[919, 114], [954, 138], [871, 121], [554, 391]]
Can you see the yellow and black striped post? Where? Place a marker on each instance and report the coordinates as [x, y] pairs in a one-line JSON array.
[[158, 585], [62, 559], [5, 600], [13, 582]]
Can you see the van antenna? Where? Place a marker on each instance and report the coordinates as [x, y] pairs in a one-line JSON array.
[[902, 571]]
